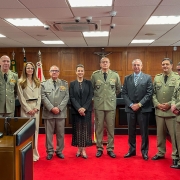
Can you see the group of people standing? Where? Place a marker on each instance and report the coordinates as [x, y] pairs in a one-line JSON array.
[[138, 92]]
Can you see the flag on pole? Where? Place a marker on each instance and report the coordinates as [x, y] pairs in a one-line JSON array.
[[24, 60], [13, 63], [39, 70]]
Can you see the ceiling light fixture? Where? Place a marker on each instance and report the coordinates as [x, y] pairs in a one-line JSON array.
[[25, 22], [96, 34], [143, 41], [163, 20], [52, 42], [1, 36], [89, 3]]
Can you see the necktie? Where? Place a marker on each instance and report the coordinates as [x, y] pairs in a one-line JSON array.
[[135, 80], [105, 76], [5, 77], [54, 82], [165, 78]]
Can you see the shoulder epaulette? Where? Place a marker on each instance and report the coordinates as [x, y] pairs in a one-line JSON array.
[[96, 71], [13, 72], [159, 74], [114, 71], [176, 73], [64, 80]]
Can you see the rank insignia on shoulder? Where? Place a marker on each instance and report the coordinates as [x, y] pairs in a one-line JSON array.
[[64, 80], [96, 71]]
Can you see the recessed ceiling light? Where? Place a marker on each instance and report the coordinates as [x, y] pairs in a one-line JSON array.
[[89, 3], [25, 22], [41, 35], [2, 36], [163, 20], [143, 41], [96, 34], [52, 42], [149, 34]]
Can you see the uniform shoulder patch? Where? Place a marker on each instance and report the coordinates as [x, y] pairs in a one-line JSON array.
[[96, 71]]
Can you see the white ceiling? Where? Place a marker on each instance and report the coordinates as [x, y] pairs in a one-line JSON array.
[[130, 23]]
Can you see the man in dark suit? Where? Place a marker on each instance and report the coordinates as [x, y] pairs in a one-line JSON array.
[[137, 92]]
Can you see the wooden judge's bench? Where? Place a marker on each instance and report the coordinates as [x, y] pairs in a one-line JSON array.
[[16, 148]]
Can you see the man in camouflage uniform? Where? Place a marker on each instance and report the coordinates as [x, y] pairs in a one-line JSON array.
[[8, 88], [106, 84], [164, 85], [175, 108], [54, 96]]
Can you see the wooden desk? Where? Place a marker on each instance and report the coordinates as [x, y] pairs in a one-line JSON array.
[[6, 158], [16, 151]]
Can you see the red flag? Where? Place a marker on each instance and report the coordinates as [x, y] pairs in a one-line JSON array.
[[39, 71]]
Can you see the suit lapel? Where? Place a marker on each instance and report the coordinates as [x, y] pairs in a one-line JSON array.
[[84, 85], [77, 87], [108, 76], [29, 85], [132, 79], [140, 79]]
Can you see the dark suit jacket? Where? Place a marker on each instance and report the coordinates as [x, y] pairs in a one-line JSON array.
[[142, 93], [87, 94]]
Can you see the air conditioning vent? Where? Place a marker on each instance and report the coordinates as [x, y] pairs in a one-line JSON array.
[[75, 27]]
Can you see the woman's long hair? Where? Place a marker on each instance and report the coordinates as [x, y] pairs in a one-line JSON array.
[[23, 79]]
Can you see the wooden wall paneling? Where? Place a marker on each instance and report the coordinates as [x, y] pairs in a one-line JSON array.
[[176, 59], [68, 61], [91, 63], [154, 61]]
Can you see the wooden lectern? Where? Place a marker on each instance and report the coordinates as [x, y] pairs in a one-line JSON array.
[[16, 148]]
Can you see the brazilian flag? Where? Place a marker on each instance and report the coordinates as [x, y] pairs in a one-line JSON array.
[[13, 66]]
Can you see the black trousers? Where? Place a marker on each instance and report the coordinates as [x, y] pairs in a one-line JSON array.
[[143, 121]]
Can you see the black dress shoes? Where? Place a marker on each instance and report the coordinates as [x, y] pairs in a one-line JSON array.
[[145, 157], [175, 162], [99, 153], [175, 166], [78, 154], [49, 156], [156, 157], [84, 156], [129, 154], [111, 154], [61, 156]]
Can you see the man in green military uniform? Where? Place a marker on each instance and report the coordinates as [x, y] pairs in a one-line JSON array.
[[164, 85], [8, 88], [175, 108], [106, 84]]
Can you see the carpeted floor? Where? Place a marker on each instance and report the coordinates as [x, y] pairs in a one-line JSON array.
[[104, 168]]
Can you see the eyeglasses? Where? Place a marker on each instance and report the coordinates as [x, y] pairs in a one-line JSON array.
[[56, 71], [103, 62]]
